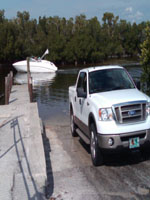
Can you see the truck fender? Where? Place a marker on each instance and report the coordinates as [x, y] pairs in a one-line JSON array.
[[91, 120]]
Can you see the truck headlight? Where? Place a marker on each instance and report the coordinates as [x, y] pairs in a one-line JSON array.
[[105, 114], [148, 108]]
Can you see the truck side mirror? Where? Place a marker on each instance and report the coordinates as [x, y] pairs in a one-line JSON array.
[[81, 93]]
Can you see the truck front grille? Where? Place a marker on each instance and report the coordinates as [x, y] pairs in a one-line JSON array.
[[130, 112]]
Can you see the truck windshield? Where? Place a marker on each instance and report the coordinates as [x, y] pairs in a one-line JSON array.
[[108, 80]]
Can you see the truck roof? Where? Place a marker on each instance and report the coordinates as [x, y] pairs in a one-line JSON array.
[[91, 69]]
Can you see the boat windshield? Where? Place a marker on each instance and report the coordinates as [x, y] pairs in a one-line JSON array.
[[35, 59], [108, 80]]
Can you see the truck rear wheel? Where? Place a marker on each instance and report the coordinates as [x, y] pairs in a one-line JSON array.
[[96, 154], [72, 125]]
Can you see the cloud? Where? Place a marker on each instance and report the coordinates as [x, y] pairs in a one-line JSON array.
[[129, 9], [135, 16], [138, 15]]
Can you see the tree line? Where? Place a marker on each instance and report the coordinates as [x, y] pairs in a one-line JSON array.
[[145, 60], [75, 40]]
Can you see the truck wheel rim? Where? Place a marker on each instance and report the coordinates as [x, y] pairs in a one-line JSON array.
[[93, 144]]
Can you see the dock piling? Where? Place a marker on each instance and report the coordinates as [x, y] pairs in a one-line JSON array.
[[8, 86], [29, 79], [30, 88], [6, 91]]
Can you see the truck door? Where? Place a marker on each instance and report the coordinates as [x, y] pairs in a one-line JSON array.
[[79, 99], [82, 101]]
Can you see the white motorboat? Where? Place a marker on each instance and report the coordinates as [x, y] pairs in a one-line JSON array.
[[36, 65]]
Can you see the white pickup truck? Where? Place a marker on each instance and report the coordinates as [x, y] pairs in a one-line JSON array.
[[108, 111]]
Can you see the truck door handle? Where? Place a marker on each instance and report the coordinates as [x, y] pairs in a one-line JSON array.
[[80, 101], [75, 99]]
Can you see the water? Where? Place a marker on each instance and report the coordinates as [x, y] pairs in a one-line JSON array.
[[52, 96], [51, 91]]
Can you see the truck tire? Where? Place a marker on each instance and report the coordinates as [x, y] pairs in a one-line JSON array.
[[72, 125], [96, 155]]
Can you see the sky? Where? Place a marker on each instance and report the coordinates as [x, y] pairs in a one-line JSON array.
[[130, 10]]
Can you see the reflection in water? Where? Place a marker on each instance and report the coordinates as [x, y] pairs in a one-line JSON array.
[[37, 78], [52, 97]]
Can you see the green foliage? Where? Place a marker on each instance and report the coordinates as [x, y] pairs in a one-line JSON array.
[[145, 47], [77, 40], [145, 58]]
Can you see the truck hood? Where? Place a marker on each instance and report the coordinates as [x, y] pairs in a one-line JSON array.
[[107, 99]]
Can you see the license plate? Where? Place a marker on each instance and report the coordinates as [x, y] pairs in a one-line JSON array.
[[134, 142]]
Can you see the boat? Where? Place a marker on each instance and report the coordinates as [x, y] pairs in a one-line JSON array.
[[36, 65]]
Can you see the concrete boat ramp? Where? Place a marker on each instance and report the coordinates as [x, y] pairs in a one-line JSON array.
[[22, 159]]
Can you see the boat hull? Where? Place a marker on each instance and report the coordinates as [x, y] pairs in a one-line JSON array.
[[35, 66]]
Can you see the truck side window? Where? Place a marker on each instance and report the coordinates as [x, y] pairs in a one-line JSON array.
[[82, 82]]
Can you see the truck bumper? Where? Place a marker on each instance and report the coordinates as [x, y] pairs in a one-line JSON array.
[[121, 141]]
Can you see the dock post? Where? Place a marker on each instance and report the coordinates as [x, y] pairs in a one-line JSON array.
[[11, 78], [6, 90], [8, 86], [28, 72], [29, 79], [28, 64], [30, 88]]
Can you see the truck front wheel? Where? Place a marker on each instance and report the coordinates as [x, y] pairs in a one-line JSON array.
[[72, 125], [96, 154]]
